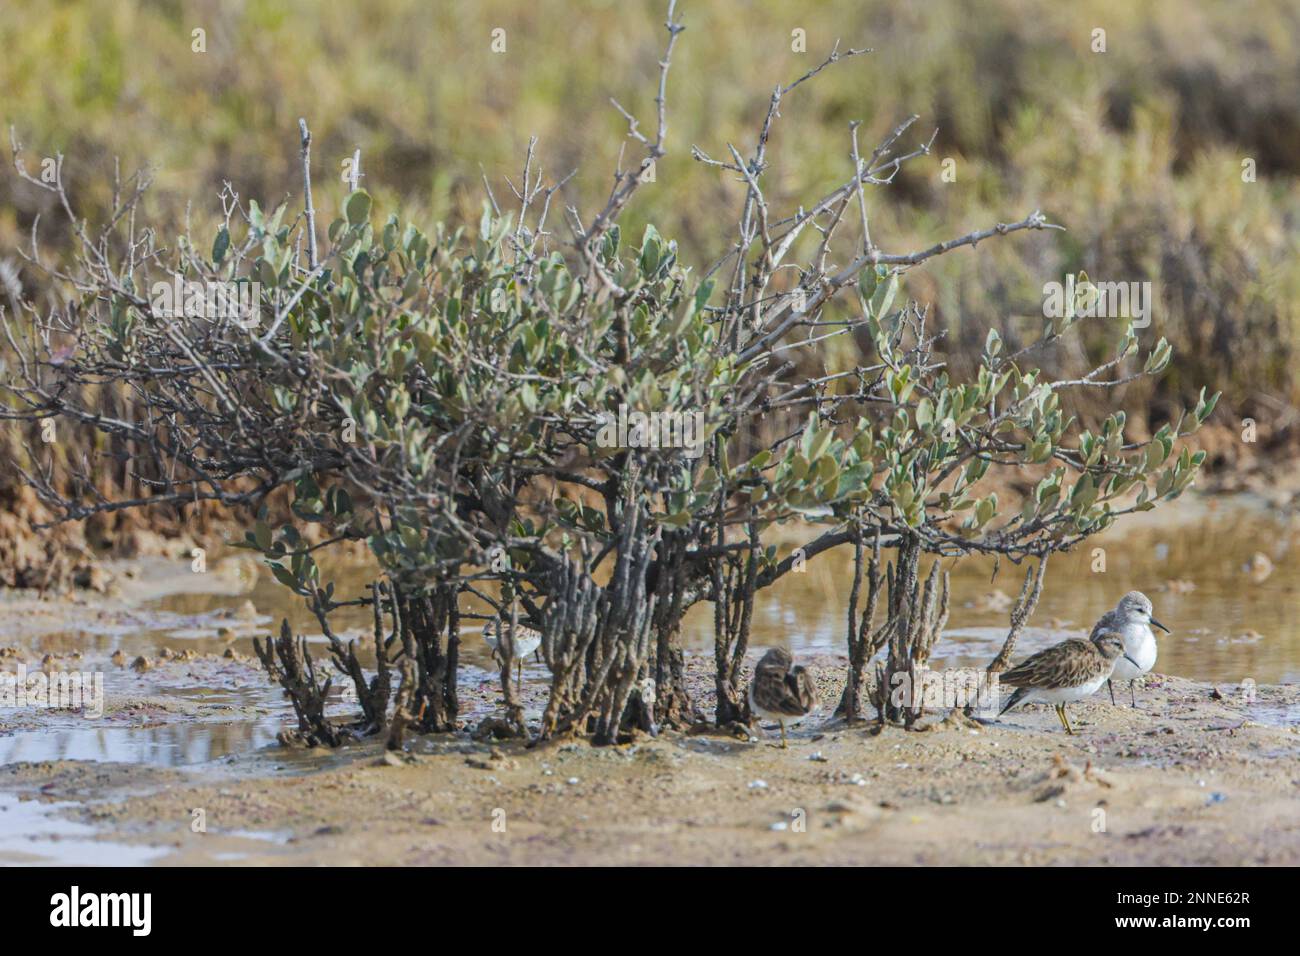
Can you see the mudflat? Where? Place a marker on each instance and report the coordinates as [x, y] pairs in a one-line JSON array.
[[1197, 774]]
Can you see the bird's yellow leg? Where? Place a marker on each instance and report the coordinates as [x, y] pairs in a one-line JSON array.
[[1059, 716], [1065, 718], [783, 743]]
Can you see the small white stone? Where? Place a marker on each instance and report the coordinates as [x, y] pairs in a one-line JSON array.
[[758, 785]]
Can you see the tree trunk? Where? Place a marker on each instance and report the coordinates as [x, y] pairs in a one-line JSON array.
[[671, 705], [425, 616], [859, 635]]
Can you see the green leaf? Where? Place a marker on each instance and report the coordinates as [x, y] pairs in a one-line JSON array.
[[925, 413], [357, 207], [1158, 359], [650, 251], [284, 576], [992, 343], [678, 520], [266, 274], [1084, 493], [870, 279], [702, 294], [220, 245], [819, 444], [884, 297]]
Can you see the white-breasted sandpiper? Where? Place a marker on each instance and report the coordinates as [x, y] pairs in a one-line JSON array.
[[527, 641], [1131, 619]]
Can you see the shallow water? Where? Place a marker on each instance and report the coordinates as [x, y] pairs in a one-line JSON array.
[[168, 745], [1227, 626], [33, 833], [1188, 557]]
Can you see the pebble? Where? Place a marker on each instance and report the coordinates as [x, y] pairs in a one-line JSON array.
[[758, 785]]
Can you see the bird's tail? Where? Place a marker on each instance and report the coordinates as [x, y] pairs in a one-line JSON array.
[[1016, 698]]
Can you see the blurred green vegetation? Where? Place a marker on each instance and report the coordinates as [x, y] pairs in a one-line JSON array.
[[1137, 150]]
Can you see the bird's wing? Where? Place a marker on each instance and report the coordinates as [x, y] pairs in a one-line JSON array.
[[800, 685], [1066, 664], [1099, 632], [784, 693], [1107, 622], [1015, 699]]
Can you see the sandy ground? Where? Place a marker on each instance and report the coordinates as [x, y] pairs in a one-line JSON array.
[[1196, 774], [1185, 779]]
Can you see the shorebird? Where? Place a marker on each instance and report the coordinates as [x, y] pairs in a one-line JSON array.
[[780, 691], [1131, 619], [1065, 672], [527, 641]]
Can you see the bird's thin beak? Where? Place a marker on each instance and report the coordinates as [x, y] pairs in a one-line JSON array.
[[1155, 623], [1133, 662]]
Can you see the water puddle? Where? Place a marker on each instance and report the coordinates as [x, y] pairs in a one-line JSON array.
[[33, 833], [169, 745], [1273, 715]]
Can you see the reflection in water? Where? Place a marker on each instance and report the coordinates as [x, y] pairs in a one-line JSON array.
[[1191, 558], [1229, 623], [168, 745]]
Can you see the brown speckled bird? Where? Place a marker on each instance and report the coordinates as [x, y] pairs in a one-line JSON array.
[[780, 691], [1065, 672]]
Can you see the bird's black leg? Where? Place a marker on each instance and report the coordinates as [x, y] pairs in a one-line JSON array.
[[1132, 693], [1110, 686]]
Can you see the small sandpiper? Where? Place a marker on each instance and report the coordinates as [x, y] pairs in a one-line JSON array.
[[527, 641], [1131, 619], [1065, 672], [781, 691]]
